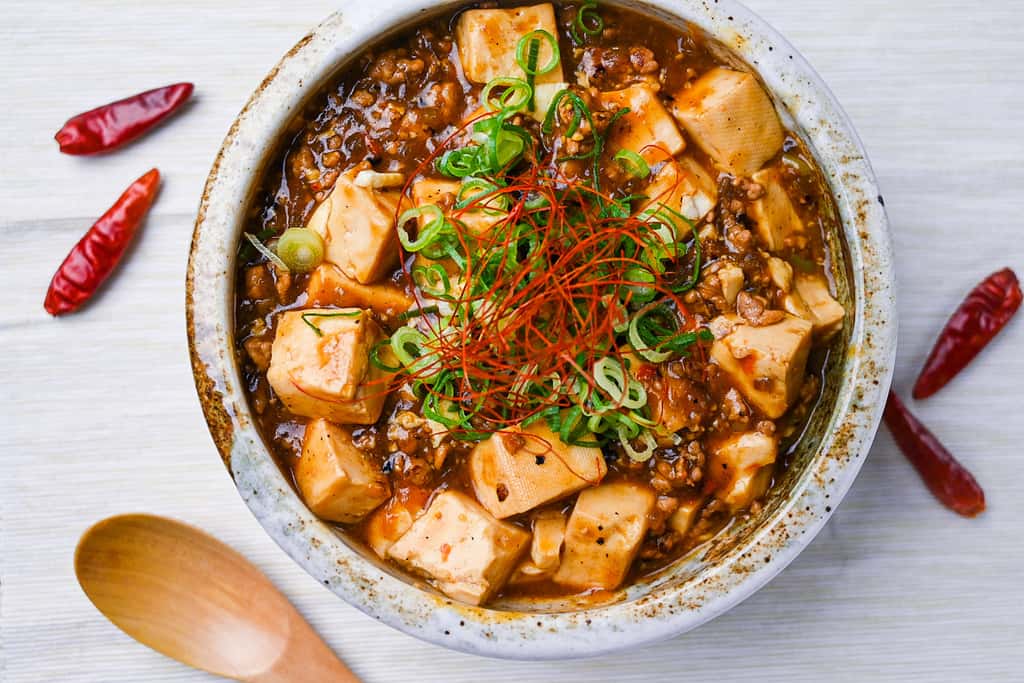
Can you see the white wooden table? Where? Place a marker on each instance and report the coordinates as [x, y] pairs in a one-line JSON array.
[[98, 414]]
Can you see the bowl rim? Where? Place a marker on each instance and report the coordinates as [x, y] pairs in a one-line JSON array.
[[665, 610]]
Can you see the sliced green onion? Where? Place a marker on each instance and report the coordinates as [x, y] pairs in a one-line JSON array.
[[524, 46], [375, 357], [417, 312], [515, 96], [573, 428], [587, 12], [459, 163], [612, 377], [633, 163], [267, 252], [340, 314], [638, 455], [641, 345], [638, 275], [473, 190], [301, 249], [432, 280], [427, 234]]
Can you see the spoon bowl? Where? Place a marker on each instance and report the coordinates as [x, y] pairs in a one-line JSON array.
[[190, 597]]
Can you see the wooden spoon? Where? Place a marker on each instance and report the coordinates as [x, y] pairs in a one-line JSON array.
[[192, 598]]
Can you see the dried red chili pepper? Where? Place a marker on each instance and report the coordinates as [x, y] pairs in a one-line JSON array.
[[946, 478], [112, 125], [984, 312], [93, 259]]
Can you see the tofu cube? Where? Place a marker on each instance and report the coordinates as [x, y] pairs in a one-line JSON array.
[[326, 371], [765, 363], [826, 314], [729, 115], [685, 186], [686, 515], [463, 548], [648, 129], [545, 548], [357, 224], [389, 522], [329, 286], [336, 479], [740, 469], [523, 468], [778, 223], [604, 534], [730, 276], [443, 193], [781, 273], [487, 40]]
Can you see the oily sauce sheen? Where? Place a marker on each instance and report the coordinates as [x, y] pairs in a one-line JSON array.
[[396, 105]]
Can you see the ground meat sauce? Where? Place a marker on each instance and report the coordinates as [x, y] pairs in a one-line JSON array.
[[399, 103]]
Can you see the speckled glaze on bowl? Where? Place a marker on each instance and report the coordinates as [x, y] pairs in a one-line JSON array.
[[693, 590]]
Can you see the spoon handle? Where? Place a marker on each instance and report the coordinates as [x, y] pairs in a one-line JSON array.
[[306, 658]]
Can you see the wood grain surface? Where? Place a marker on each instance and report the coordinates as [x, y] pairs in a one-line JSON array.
[[98, 414]]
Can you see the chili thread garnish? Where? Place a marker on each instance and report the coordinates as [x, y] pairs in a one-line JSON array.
[[531, 319]]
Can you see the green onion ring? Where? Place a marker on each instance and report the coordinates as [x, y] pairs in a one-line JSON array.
[[266, 251], [633, 163], [301, 249], [524, 45], [516, 95], [427, 234]]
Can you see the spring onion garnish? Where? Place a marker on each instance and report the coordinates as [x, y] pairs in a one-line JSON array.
[[528, 54], [301, 249], [633, 163], [480, 191], [266, 251], [587, 21], [375, 359], [307, 318], [515, 96], [523, 48], [430, 231]]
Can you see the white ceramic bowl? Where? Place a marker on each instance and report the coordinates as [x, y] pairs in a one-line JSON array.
[[684, 595]]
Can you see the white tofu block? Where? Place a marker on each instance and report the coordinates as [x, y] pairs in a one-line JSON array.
[[487, 40], [336, 479], [776, 217], [329, 286], [648, 129], [781, 273], [389, 522], [686, 515], [826, 314], [328, 374], [765, 363], [731, 278], [443, 193], [358, 227], [729, 115], [523, 468], [684, 186], [545, 548], [465, 550], [604, 534], [740, 467]]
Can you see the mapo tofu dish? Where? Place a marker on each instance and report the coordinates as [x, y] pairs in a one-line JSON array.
[[535, 299]]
